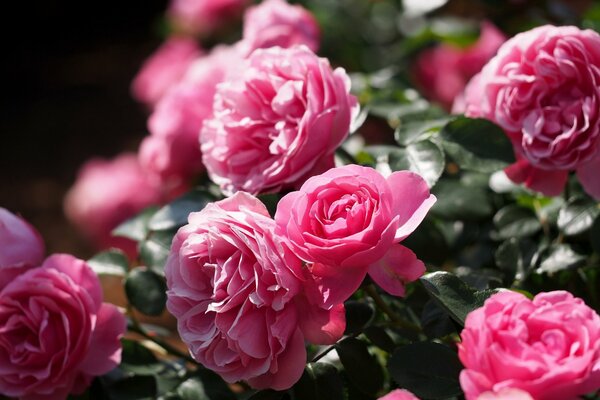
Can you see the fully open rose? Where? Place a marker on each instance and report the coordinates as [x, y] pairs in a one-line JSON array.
[[237, 294], [277, 122], [55, 332], [548, 347], [349, 221], [543, 88], [21, 246]]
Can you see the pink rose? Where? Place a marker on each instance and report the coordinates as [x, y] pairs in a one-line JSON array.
[[548, 347], [277, 122], [543, 88], [164, 69], [399, 394], [21, 246], [106, 193], [506, 394], [204, 16], [277, 23], [237, 294], [171, 154], [55, 332], [349, 221], [443, 85]]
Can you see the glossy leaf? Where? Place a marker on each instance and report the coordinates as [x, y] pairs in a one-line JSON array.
[[457, 201], [558, 258], [360, 366], [477, 144], [135, 228], [424, 158], [175, 214], [577, 215], [514, 221], [320, 381], [110, 262], [146, 291], [427, 369]]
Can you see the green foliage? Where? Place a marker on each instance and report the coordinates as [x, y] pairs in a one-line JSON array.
[[146, 291], [111, 262]]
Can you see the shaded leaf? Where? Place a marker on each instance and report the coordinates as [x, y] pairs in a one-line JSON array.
[[358, 315], [429, 370], [320, 381], [138, 360], [477, 144], [146, 291], [415, 127], [360, 366], [514, 221], [155, 250], [435, 321], [137, 387], [595, 235], [558, 258], [456, 201], [453, 295]]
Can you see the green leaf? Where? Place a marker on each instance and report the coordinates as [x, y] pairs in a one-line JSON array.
[[135, 228], [358, 315], [415, 127], [477, 144], [428, 243], [424, 158], [595, 235], [435, 321], [559, 258], [429, 370], [155, 250], [577, 215], [453, 295], [456, 201], [360, 366], [146, 291], [138, 360], [320, 381], [137, 387], [192, 389], [514, 256], [380, 338], [514, 221], [175, 214], [110, 262], [269, 395]]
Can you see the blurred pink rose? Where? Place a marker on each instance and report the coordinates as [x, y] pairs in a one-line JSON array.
[[55, 332], [106, 193], [164, 69], [399, 394], [548, 347], [237, 294], [506, 394], [277, 122], [21, 246], [277, 23], [349, 221], [543, 88], [204, 16], [443, 71], [171, 154]]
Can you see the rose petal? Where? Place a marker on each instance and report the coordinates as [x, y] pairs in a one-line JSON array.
[[398, 267]]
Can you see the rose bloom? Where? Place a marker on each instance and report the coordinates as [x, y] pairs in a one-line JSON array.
[[506, 394], [443, 85], [106, 193], [277, 23], [55, 332], [237, 294], [204, 16], [399, 394], [164, 69], [548, 347], [543, 89], [21, 246], [277, 122], [348, 222], [171, 154]]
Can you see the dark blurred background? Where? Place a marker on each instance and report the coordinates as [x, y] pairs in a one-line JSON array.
[[67, 66]]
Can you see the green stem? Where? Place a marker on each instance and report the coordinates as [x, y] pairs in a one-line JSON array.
[[386, 309], [323, 353], [137, 328]]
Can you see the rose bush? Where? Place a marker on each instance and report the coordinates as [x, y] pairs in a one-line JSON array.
[[235, 291], [542, 89], [348, 221], [548, 347], [277, 122], [55, 332], [21, 246]]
